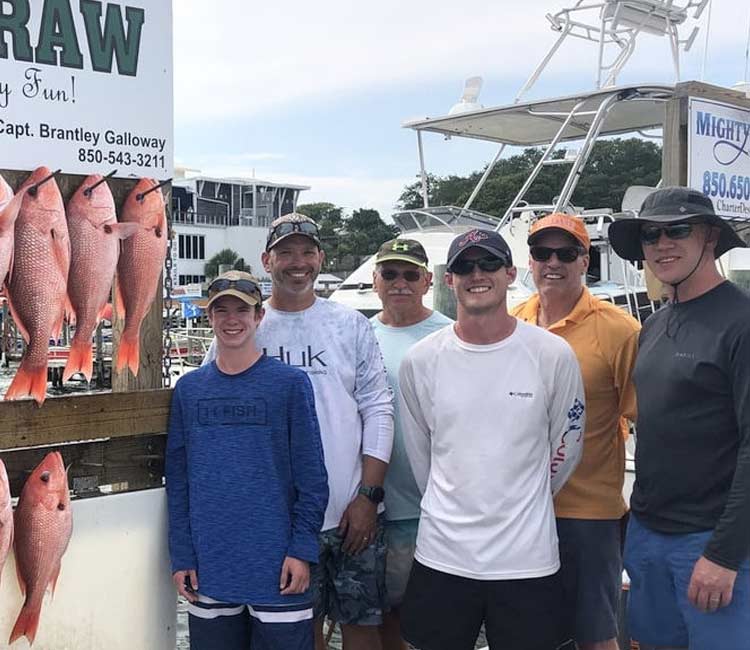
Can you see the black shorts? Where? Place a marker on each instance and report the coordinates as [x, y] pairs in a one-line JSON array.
[[445, 612], [592, 577]]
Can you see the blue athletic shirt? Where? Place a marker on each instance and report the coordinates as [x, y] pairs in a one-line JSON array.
[[246, 482]]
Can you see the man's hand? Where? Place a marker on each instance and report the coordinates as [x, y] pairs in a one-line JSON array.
[[186, 583], [358, 525], [295, 576], [711, 585]]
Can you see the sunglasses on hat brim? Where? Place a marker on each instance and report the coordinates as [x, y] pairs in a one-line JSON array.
[[289, 228], [248, 287]]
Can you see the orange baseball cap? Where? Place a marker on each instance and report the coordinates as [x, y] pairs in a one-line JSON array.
[[560, 221]]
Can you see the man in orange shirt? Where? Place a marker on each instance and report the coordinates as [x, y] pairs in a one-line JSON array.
[[590, 505]]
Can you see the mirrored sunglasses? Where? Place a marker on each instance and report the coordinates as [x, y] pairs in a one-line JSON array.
[[248, 287], [566, 254], [283, 229], [487, 264], [410, 275], [650, 235]]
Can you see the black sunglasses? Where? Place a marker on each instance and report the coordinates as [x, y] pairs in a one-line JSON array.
[[410, 275], [650, 235], [488, 264], [566, 254], [302, 227], [247, 287]]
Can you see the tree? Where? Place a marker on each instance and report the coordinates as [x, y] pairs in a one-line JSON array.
[[225, 256], [330, 222], [611, 168], [364, 232]]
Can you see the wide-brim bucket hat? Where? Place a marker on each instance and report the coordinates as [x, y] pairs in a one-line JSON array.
[[670, 205]]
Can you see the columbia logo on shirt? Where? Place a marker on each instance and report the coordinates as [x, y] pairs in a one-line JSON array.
[[514, 393]]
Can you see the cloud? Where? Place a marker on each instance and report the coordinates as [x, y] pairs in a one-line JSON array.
[[234, 58]]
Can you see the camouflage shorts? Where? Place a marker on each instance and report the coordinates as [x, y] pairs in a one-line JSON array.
[[349, 589]]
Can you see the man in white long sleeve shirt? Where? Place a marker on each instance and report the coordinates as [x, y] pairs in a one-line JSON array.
[[492, 411], [337, 349]]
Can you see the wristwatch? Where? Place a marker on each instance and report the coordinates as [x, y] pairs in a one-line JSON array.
[[374, 493]]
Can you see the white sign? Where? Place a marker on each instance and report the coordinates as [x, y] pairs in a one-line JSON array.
[[86, 86], [719, 155]]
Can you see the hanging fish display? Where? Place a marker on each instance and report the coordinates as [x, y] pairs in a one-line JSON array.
[[140, 266]]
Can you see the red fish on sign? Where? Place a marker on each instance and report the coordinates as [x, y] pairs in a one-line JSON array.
[[140, 266], [37, 287], [95, 246], [43, 526]]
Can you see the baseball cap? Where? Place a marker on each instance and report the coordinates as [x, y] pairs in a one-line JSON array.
[[487, 240], [290, 224], [402, 250], [559, 221], [670, 205], [239, 284]]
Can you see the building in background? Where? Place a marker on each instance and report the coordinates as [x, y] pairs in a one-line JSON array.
[[211, 214]]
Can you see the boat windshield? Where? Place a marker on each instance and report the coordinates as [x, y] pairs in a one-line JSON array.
[[442, 216]]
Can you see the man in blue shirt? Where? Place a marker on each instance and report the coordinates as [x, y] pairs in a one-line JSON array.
[[401, 279], [246, 485]]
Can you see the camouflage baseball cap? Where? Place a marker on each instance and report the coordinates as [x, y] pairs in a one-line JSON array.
[[290, 224], [402, 250]]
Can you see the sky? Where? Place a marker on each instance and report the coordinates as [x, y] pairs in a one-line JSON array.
[[315, 93]]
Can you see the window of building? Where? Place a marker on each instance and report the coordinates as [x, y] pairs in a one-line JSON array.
[[192, 247]]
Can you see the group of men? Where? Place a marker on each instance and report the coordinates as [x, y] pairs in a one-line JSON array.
[[493, 497]]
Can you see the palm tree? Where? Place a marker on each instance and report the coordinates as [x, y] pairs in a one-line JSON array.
[[225, 257]]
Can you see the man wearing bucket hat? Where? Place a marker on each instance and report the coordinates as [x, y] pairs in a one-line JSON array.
[[590, 506], [242, 537], [337, 348], [492, 414], [401, 278], [688, 541]]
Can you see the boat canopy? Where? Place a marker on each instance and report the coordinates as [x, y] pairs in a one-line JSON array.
[[533, 123]]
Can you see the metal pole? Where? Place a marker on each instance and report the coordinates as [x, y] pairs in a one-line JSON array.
[[583, 156], [484, 178], [532, 177], [425, 200], [535, 75], [705, 44]]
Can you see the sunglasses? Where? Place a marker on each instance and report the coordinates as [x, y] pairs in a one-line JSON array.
[[284, 229], [248, 287], [410, 275], [650, 235], [488, 264], [566, 254]]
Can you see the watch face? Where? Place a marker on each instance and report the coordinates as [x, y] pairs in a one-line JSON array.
[[378, 494]]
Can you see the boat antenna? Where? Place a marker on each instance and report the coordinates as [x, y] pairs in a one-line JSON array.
[[747, 51], [88, 190], [705, 44]]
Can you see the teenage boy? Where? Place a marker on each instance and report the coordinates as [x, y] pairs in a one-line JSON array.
[[246, 485]]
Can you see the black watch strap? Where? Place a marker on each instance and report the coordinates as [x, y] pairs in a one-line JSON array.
[[374, 493]]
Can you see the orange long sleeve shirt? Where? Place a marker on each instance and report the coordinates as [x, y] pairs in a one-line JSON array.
[[605, 341]]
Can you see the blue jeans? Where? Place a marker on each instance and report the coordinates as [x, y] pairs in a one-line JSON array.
[[659, 613]]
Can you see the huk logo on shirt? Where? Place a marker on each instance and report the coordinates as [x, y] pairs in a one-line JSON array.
[[232, 410], [305, 358]]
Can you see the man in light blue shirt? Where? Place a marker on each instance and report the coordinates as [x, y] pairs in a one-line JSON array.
[[401, 279]]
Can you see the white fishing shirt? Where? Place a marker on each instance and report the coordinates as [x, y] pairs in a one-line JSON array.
[[492, 431], [337, 348]]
